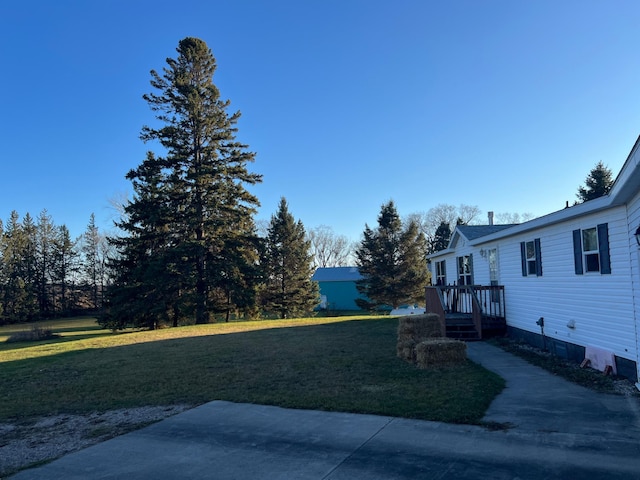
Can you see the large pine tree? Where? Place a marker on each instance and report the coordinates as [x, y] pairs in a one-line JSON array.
[[189, 229], [288, 267], [392, 261]]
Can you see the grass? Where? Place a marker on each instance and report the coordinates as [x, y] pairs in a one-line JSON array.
[[68, 328], [339, 364]]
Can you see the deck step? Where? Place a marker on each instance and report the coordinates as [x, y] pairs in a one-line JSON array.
[[461, 329]]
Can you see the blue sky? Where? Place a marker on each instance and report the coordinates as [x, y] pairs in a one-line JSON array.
[[506, 105]]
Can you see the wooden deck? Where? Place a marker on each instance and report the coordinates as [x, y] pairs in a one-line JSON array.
[[468, 312]]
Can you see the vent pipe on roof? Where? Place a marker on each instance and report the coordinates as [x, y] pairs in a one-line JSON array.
[[490, 214]]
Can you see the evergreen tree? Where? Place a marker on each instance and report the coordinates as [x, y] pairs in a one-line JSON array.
[[2, 274], [597, 184], [35, 261], [236, 280], [94, 262], [17, 299], [441, 237], [44, 244], [189, 229], [28, 267], [65, 267], [149, 274], [288, 267], [392, 262]]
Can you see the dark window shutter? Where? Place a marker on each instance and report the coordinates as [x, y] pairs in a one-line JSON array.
[[577, 251], [523, 258], [471, 268], [538, 258], [603, 245]]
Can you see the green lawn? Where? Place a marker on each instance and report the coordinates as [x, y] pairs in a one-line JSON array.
[[342, 364]]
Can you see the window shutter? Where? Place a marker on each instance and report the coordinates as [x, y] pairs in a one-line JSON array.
[[471, 268], [538, 258], [523, 258], [603, 245], [577, 251]]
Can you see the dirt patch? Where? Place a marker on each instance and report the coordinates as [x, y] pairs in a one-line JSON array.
[[38, 440]]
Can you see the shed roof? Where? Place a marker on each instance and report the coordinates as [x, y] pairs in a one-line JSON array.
[[336, 274]]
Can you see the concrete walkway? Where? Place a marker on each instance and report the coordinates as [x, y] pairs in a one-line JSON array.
[[536, 401], [559, 431]]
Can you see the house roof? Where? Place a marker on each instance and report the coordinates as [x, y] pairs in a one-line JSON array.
[[471, 232], [336, 274], [625, 187]]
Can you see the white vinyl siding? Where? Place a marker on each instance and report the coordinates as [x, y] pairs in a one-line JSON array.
[[633, 213], [600, 305]]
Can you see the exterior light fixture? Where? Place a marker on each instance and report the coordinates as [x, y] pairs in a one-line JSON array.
[[637, 235]]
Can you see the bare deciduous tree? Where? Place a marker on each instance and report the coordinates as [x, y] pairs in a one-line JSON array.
[[508, 218], [469, 214], [328, 248], [444, 213]]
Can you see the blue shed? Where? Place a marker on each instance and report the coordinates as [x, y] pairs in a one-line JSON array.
[[338, 287]]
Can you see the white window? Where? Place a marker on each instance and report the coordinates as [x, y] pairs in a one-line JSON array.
[[493, 274], [531, 256], [441, 273], [493, 266], [590, 250], [465, 275]]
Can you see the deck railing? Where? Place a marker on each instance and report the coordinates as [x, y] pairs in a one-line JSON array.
[[434, 304], [476, 300]]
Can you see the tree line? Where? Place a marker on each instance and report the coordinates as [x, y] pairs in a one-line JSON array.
[[45, 273]]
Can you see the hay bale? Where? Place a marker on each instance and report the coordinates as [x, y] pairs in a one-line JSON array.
[[419, 327], [440, 352], [406, 350], [412, 330]]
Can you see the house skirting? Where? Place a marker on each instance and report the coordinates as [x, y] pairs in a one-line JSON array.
[[569, 351]]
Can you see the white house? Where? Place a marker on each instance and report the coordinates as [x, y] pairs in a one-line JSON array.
[[571, 278]]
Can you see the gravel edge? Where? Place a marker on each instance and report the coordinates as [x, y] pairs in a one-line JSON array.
[[42, 439]]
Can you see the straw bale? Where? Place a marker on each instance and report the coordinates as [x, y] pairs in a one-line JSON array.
[[406, 350], [413, 329], [440, 352], [419, 327]]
